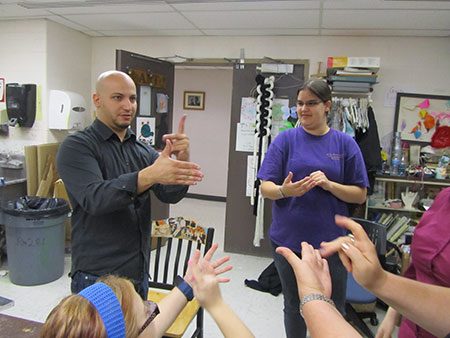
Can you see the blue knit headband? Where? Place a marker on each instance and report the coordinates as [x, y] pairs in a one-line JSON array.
[[108, 307]]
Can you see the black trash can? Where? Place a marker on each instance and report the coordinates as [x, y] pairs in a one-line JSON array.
[[35, 237]]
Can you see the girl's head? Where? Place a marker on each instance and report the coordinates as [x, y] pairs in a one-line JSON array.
[[313, 105], [109, 306]]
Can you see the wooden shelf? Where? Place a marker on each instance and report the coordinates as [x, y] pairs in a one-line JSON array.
[[397, 209]]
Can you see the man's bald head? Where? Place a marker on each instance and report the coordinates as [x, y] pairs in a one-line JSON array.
[[110, 75]]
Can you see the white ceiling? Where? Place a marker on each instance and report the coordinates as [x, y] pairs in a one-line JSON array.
[[239, 18]]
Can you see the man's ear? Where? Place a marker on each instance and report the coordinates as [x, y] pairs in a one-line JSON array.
[[96, 99], [328, 105]]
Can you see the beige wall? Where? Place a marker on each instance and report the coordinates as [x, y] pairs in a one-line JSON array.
[[49, 55], [208, 129], [413, 64]]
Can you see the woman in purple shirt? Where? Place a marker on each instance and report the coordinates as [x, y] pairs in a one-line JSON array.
[[310, 173], [430, 262]]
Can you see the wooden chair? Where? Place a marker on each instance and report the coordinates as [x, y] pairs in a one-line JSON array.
[[173, 242]]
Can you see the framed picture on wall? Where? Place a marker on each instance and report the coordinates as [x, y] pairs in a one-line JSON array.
[[194, 100], [418, 115]]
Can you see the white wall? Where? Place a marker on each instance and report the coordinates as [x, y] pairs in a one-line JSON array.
[[413, 64], [49, 55], [208, 129], [23, 60]]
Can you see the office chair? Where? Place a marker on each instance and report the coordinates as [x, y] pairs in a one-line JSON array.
[[172, 246], [356, 294]]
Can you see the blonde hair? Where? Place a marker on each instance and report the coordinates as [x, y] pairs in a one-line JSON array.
[[76, 317]]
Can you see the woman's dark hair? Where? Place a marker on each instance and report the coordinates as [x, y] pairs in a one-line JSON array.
[[318, 87]]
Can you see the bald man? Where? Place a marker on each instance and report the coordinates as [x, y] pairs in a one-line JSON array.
[[108, 175]]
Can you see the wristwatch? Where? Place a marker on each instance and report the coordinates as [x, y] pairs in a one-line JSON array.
[[184, 287]]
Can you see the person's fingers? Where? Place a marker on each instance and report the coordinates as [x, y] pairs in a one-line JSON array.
[[329, 248], [290, 256], [355, 228], [288, 178], [346, 262], [167, 151], [211, 252], [221, 270], [181, 124], [219, 262]]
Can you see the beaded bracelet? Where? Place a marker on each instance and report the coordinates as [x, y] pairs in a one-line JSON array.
[[314, 296]]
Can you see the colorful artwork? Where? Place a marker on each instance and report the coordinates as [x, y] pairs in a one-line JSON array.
[[178, 227], [417, 116], [145, 130]]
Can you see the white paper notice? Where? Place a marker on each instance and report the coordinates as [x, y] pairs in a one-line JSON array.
[[245, 137], [248, 110], [250, 175]]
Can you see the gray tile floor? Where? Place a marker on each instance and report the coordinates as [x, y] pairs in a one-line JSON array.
[[262, 312]]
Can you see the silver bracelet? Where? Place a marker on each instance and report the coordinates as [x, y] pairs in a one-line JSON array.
[[314, 296]]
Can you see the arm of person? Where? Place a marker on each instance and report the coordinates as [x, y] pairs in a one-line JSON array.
[[424, 304], [313, 278], [274, 192], [205, 283], [346, 193], [390, 321], [171, 305], [323, 320]]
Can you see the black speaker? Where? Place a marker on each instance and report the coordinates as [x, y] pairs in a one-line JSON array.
[[21, 104]]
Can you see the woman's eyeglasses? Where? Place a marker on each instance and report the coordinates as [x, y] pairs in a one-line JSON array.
[[308, 104], [151, 310]]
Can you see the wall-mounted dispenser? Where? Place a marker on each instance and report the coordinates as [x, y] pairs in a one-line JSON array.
[[67, 110], [21, 104]]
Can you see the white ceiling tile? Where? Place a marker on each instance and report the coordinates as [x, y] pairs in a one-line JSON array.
[[250, 5], [136, 21], [386, 19], [105, 9], [386, 32], [385, 4], [18, 11], [260, 32], [257, 19], [150, 32], [68, 23]]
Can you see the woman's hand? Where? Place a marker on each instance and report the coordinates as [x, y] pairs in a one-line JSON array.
[[357, 253], [296, 189], [311, 271]]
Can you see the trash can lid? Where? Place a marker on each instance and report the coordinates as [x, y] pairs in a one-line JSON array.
[[37, 207]]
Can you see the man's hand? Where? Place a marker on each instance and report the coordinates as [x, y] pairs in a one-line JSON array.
[[180, 141], [166, 170]]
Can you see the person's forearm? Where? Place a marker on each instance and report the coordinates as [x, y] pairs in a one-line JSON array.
[[271, 191], [424, 304], [169, 309], [323, 321], [228, 322], [348, 193]]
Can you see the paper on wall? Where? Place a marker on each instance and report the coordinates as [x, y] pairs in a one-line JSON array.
[[245, 136], [250, 175]]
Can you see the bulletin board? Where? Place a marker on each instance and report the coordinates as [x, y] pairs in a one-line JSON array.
[[418, 115]]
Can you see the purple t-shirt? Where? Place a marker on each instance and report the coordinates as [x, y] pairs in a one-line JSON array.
[[310, 217]]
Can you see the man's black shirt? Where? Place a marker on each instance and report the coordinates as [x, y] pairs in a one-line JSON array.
[[110, 222]]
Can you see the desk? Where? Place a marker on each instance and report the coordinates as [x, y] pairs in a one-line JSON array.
[[18, 327]]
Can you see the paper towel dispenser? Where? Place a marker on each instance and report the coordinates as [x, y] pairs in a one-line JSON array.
[[21, 104], [67, 110]]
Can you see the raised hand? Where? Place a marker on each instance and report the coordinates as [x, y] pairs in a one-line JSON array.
[[357, 253], [311, 271], [166, 170], [203, 276], [180, 141]]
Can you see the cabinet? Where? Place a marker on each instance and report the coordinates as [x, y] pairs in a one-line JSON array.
[[386, 205]]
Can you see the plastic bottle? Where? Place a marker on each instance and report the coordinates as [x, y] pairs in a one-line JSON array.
[[396, 154], [404, 161]]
